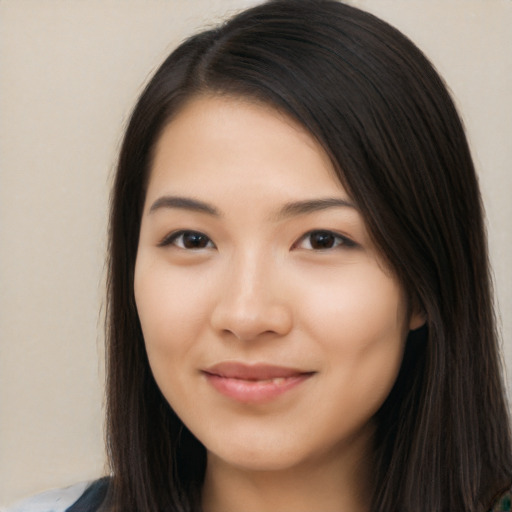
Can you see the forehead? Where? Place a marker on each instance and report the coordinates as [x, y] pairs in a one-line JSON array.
[[239, 143]]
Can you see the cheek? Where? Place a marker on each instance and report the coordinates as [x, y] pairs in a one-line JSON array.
[[358, 318], [171, 312], [170, 323], [360, 301]]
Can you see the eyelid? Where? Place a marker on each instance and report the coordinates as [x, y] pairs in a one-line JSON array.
[[344, 241], [171, 238]]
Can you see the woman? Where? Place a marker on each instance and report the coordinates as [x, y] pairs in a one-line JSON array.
[[300, 315]]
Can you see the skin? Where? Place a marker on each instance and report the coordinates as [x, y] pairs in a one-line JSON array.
[[256, 287]]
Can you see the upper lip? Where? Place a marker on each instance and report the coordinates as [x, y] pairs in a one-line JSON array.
[[243, 371]]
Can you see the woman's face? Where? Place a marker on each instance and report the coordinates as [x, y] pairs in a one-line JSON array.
[[272, 327]]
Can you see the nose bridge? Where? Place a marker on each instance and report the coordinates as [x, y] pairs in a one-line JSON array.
[[251, 276], [252, 300]]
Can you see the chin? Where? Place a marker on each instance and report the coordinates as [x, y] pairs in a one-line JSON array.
[[251, 455], [261, 461], [263, 451]]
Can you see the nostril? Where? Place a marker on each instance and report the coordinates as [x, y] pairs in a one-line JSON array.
[[246, 324]]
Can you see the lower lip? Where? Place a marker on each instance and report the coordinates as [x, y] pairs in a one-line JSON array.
[[255, 391]]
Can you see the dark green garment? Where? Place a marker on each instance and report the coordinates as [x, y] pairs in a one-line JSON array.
[[95, 494]]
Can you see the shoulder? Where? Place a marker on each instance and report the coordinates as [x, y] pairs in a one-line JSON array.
[[82, 497], [504, 503]]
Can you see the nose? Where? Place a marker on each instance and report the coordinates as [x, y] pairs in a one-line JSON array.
[[252, 301]]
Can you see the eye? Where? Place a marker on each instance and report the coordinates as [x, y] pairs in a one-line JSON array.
[[322, 240], [190, 240]]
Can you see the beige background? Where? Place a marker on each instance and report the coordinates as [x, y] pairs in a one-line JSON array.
[[70, 72]]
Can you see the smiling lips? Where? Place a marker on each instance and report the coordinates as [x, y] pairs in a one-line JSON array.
[[253, 383]]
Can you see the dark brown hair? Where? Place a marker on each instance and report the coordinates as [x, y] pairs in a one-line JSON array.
[[383, 115]]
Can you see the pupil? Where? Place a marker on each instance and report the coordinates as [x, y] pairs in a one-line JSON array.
[[322, 240], [194, 241]]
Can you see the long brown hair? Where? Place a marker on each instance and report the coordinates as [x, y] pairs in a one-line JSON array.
[[385, 118]]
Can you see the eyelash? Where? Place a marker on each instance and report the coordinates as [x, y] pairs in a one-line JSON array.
[[336, 238], [177, 235], [328, 236]]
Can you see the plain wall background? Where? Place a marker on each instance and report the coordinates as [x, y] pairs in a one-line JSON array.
[[70, 73]]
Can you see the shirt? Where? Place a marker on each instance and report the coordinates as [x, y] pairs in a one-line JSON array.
[[88, 496]]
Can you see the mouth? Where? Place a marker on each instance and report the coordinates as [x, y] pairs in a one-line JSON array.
[[256, 383]]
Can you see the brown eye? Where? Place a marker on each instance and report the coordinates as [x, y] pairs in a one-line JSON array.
[[322, 240], [190, 240], [194, 240]]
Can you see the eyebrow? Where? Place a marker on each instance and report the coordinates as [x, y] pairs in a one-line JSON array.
[[313, 205], [184, 203], [292, 209]]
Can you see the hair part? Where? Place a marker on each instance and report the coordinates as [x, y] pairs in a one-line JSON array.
[[385, 118]]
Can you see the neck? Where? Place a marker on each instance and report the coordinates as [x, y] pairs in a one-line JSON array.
[[333, 484]]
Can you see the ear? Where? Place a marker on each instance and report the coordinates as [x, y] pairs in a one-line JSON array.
[[418, 319]]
